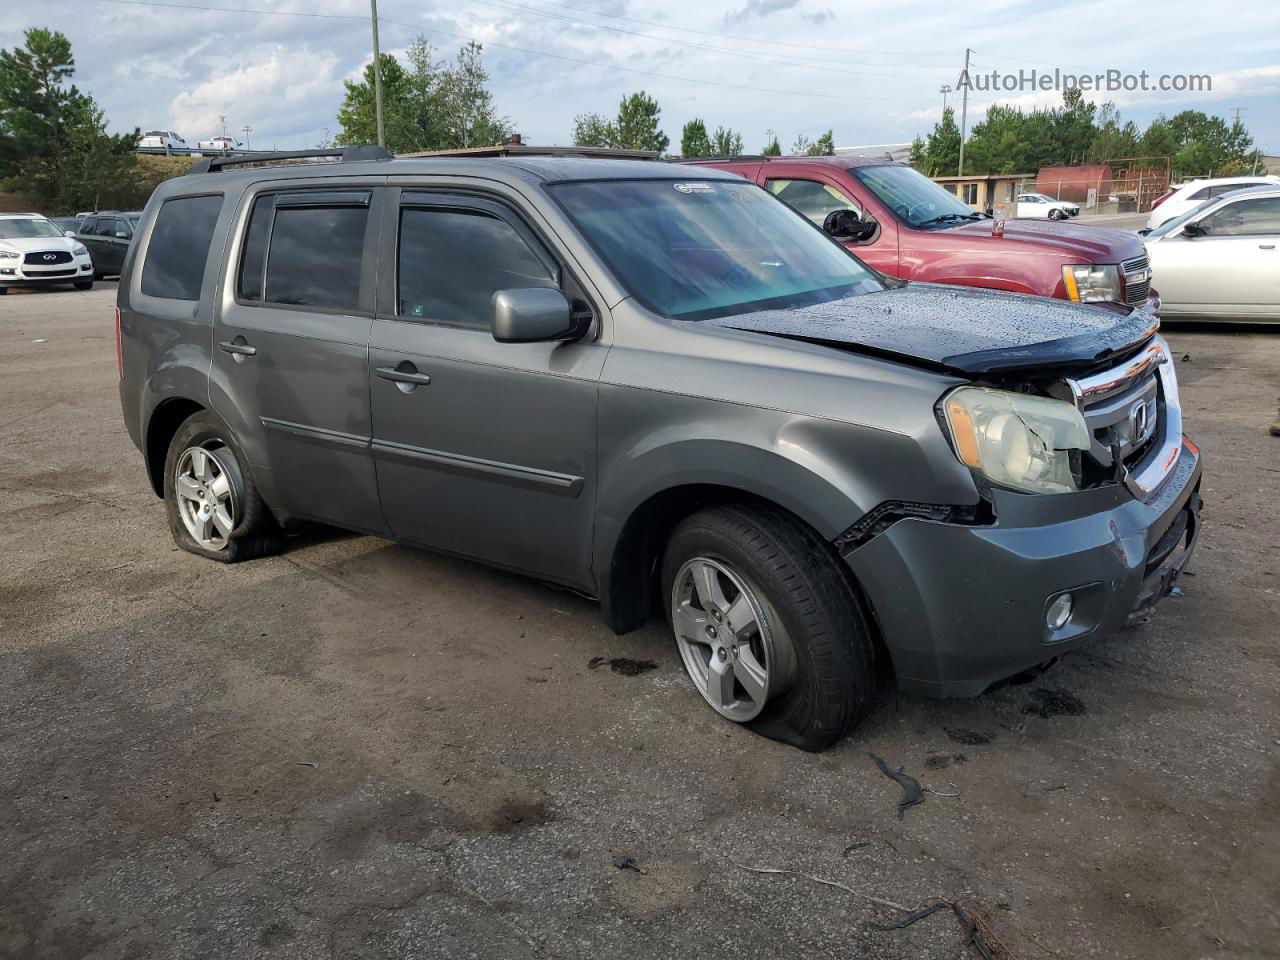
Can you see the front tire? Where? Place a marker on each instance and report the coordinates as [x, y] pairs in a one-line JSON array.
[[1055, 214], [771, 631], [214, 508]]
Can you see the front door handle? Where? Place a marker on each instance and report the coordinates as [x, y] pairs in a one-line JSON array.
[[405, 372], [238, 347], [1266, 246]]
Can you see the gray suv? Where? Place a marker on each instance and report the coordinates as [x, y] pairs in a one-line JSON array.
[[663, 387]]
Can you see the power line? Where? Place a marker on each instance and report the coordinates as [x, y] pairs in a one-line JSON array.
[[507, 46], [786, 60]]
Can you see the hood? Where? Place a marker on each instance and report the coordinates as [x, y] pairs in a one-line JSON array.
[[1076, 242], [960, 329], [30, 244]]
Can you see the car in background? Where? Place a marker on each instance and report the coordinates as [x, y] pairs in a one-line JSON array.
[[164, 139], [36, 252], [1187, 196], [225, 144], [107, 234], [1044, 206], [1221, 259], [906, 226], [68, 224]]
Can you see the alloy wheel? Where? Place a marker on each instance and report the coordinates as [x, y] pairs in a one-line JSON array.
[[206, 497]]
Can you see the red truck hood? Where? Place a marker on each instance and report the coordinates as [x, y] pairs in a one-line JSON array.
[[1087, 243]]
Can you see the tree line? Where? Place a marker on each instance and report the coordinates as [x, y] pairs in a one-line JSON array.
[[1009, 140]]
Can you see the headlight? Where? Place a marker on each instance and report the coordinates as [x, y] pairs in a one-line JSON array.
[[1014, 439], [79, 250], [9, 255], [1092, 282]]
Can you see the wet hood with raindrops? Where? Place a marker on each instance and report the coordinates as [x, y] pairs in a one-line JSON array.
[[963, 329]]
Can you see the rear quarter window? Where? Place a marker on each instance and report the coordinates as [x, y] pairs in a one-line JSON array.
[[179, 247]]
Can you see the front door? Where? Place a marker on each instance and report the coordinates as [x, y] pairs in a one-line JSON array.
[[484, 449], [291, 349]]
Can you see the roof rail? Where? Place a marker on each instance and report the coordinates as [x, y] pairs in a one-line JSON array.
[[361, 152], [725, 158], [529, 150]]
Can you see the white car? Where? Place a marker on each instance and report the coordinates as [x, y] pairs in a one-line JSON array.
[[1044, 206], [165, 139], [223, 144], [1220, 259], [1187, 196], [35, 252]]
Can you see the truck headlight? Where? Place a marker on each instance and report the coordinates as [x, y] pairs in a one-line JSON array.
[[1092, 282], [79, 250], [1014, 439]]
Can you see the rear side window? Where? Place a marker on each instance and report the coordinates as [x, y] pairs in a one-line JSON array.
[[452, 261], [302, 251], [179, 247]]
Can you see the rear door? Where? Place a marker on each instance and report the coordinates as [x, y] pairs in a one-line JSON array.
[[484, 449], [114, 234], [291, 347]]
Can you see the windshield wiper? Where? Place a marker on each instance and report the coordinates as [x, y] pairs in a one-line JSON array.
[[950, 216]]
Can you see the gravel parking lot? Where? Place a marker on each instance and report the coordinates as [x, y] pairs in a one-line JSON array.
[[357, 749]]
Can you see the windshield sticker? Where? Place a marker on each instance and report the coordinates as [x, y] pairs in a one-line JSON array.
[[694, 188]]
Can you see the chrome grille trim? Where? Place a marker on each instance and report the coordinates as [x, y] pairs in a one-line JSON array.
[[1137, 280], [1144, 478]]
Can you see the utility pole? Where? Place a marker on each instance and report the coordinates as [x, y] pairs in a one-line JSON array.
[[247, 130], [944, 90], [222, 124], [964, 110], [377, 77]]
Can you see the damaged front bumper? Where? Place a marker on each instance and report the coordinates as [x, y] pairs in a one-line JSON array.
[[961, 607]]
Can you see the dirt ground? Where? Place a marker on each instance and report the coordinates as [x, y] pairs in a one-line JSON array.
[[357, 749]]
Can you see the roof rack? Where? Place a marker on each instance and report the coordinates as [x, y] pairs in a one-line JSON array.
[[727, 158], [344, 154], [529, 150]]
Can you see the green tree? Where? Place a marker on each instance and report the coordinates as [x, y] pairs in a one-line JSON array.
[[801, 146], [824, 146], [941, 154], [726, 142], [772, 148], [593, 130], [694, 141], [427, 106], [53, 139], [467, 114], [637, 125], [917, 158], [1113, 139]]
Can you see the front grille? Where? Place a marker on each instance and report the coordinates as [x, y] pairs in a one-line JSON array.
[[42, 274], [1128, 423], [42, 257], [1136, 290]]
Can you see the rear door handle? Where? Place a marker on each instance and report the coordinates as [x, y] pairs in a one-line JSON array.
[[1266, 246], [409, 374], [238, 347]]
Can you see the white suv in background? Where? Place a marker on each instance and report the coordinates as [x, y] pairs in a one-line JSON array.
[[165, 139], [1042, 205], [35, 252], [1187, 196]]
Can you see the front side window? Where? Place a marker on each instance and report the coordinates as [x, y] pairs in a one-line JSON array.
[[692, 250], [179, 247], [1244, 218], [912, 197], [810, 198], [451, 261]]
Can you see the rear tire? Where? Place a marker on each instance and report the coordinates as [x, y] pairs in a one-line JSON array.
[[214, 508], [810, 634]]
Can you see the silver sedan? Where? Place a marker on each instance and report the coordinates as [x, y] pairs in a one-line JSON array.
[[1221, 260]]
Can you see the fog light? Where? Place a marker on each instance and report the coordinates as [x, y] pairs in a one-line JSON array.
[[1059, 612]]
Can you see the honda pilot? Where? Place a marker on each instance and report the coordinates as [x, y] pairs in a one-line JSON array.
[[663, 387]]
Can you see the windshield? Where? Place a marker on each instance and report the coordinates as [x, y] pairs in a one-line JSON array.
[[27, 229], [914, 199], [693, 250], [1175, 223]]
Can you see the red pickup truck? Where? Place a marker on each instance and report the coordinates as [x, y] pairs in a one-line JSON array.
[[907, 226]]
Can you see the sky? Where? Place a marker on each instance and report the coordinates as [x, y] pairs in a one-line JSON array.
[[869, 70]]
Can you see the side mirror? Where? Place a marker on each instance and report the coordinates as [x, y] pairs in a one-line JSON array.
[[534, 315], [69, 233], [846, 225], [1193, 230]]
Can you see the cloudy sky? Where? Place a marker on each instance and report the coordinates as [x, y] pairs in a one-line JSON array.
[[870, 70]]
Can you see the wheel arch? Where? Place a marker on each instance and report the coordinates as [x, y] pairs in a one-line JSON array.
[[163, 423]]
